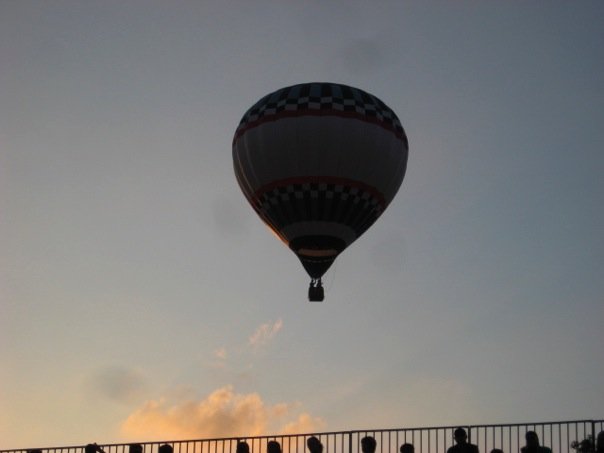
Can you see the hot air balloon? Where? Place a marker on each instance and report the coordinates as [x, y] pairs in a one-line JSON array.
[[319, 163]]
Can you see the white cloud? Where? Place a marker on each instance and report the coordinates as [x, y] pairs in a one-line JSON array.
[[223, 413], [265, 333], [305, 423]]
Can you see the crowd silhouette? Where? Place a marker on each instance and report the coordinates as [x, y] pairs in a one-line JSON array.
[[461, 443], [532, 444], [407, 448], [314, 445], [368, 444]]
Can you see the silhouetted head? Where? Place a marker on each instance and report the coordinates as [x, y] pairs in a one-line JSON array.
[[532, 440], [34, 450], [93, 448], [314, 445], [600, 442], [407, 448], [460, 436], [496, 450], [165, 448], [135, 448], [368, 444], [273, 447], [242, 447]]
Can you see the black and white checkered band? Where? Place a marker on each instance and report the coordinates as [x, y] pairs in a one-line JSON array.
[[321, 99], [350, 204]]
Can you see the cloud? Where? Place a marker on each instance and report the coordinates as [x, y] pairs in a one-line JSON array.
[[265, 333], [223, 413], [119, 384], [304, 424], [218, 359]]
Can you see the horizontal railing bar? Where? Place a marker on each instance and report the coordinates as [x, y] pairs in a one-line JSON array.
[[588, 427]]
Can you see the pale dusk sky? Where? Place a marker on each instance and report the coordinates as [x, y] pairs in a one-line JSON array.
[[141, 297]]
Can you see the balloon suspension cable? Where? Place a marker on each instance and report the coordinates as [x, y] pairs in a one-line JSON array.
[[315, 290]]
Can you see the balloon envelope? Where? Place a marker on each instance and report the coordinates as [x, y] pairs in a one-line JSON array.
[[319, 163]]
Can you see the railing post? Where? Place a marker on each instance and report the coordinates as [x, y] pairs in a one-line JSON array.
[[349, 441]]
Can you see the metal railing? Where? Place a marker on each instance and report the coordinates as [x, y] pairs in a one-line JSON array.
[[508, 437]]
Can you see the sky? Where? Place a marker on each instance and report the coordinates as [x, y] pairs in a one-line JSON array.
[[141, 298]]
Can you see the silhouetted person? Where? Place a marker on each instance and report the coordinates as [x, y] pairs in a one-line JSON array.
[[273, 447], [600, 442], [532, 444], [314, 445], [242, 447], [165, 448], [93, 448], [496, 450], [135, 448], [34, 450], [407, 448], [368, 444], [461, 443]]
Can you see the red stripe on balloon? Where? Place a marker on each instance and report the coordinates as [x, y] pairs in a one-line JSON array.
[[316, 112]]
